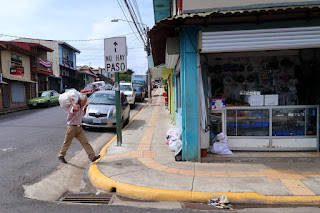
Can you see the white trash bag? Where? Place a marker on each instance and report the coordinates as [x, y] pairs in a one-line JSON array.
[[221, 147], [175, 144], [172, 133], [64, 101]]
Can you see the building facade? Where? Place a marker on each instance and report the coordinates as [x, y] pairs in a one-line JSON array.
[[254, 58], [63, 60]]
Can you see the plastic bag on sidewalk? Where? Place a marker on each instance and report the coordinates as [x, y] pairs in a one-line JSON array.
[[175, 144], [64, 101], [221, 147], [172, 133]]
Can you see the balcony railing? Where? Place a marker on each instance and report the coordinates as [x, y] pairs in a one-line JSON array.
[[67, 62]]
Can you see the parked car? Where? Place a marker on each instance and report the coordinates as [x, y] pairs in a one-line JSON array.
[[109, 87], [129, 92], [45, 98], [101, 110], [140, 92], [89, 89], [100, 84]]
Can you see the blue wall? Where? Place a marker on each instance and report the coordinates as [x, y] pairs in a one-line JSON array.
[[189, 85], [161, 9]]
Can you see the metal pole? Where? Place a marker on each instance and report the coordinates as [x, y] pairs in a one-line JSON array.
[[118, 110], [149, 87]]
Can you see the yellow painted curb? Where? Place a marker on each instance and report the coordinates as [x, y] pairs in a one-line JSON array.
[[105, 183]]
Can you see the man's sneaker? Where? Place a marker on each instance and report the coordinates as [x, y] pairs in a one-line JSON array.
[[95, 158], [62, 160]]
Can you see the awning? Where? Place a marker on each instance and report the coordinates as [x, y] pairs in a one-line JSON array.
[[43, 71], [21, 79], [2, 82], [53, 76], [170, 26]]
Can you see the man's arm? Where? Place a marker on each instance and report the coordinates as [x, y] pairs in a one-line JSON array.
[[74, 105]]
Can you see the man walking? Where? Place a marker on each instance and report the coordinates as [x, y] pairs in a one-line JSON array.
[[74, 130]]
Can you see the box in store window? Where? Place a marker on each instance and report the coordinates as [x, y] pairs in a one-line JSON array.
[[271, 100], [254, 100], [218, 103]]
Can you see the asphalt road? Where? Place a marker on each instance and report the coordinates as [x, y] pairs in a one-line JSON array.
[[29, 144]]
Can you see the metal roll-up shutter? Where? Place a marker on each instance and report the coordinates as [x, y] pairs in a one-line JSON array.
[[18, 93], [258, 40]]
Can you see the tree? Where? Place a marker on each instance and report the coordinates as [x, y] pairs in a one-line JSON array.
[[126, 76]]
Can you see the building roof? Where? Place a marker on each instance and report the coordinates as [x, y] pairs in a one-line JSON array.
[[170, 26], [68, 45], [27, 46]]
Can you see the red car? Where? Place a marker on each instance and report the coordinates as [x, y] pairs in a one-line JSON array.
[[89, 89]]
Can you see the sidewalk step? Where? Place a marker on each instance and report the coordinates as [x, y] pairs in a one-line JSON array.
[[214, 159], [211, 158]]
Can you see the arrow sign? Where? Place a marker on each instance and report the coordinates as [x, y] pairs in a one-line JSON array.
[[115, 45], [115, 54]]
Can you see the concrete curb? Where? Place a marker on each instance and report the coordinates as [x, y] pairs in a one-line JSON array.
[[105, 183]]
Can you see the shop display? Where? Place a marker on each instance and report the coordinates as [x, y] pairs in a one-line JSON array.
[[262, 96]]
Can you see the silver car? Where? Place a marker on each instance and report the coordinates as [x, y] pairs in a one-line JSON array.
[[101, 110]]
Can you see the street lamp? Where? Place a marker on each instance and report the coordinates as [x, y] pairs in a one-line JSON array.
[[146, 48], [116, 20]]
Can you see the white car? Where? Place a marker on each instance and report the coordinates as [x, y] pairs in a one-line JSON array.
[[129, 92]]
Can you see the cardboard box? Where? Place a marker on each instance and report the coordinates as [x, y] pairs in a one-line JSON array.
[[254, 100], [271, 100]]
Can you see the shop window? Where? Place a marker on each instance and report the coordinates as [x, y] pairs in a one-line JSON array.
[[16, 60], [248, 122]]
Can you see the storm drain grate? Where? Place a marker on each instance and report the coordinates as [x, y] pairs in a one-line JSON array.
[[89, 198]]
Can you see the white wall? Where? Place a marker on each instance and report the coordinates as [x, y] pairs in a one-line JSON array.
[[208, 4]]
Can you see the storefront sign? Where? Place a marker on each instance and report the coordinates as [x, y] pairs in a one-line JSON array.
[[18, 71]]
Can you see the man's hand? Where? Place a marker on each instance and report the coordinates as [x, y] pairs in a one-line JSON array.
[[75, 106]]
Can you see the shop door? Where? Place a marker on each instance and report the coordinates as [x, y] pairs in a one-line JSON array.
[[18, 92], [6, 96]]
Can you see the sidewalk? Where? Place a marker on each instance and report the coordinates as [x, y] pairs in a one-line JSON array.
[[144, 168]]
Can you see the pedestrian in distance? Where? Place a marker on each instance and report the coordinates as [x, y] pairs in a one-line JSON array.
[[74, 130]]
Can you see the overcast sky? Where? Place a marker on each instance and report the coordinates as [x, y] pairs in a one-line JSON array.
[[71, 20]]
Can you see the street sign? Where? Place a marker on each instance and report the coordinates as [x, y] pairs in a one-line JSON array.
[[115, 54]]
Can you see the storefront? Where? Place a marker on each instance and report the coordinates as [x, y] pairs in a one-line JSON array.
[[260, 65], [269, 96]]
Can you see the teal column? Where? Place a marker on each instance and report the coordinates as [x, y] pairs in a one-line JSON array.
[[189, 87]]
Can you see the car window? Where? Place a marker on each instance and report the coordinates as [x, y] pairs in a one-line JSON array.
[[125, 87], [89, 86], [138, 88], [102, 98], [45, 94]]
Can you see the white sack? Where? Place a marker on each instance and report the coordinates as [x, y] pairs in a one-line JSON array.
[[64, 101], [220, 148], [175, 144], [172, 133]]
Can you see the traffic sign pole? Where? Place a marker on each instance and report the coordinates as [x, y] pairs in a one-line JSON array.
[[118, 110]]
